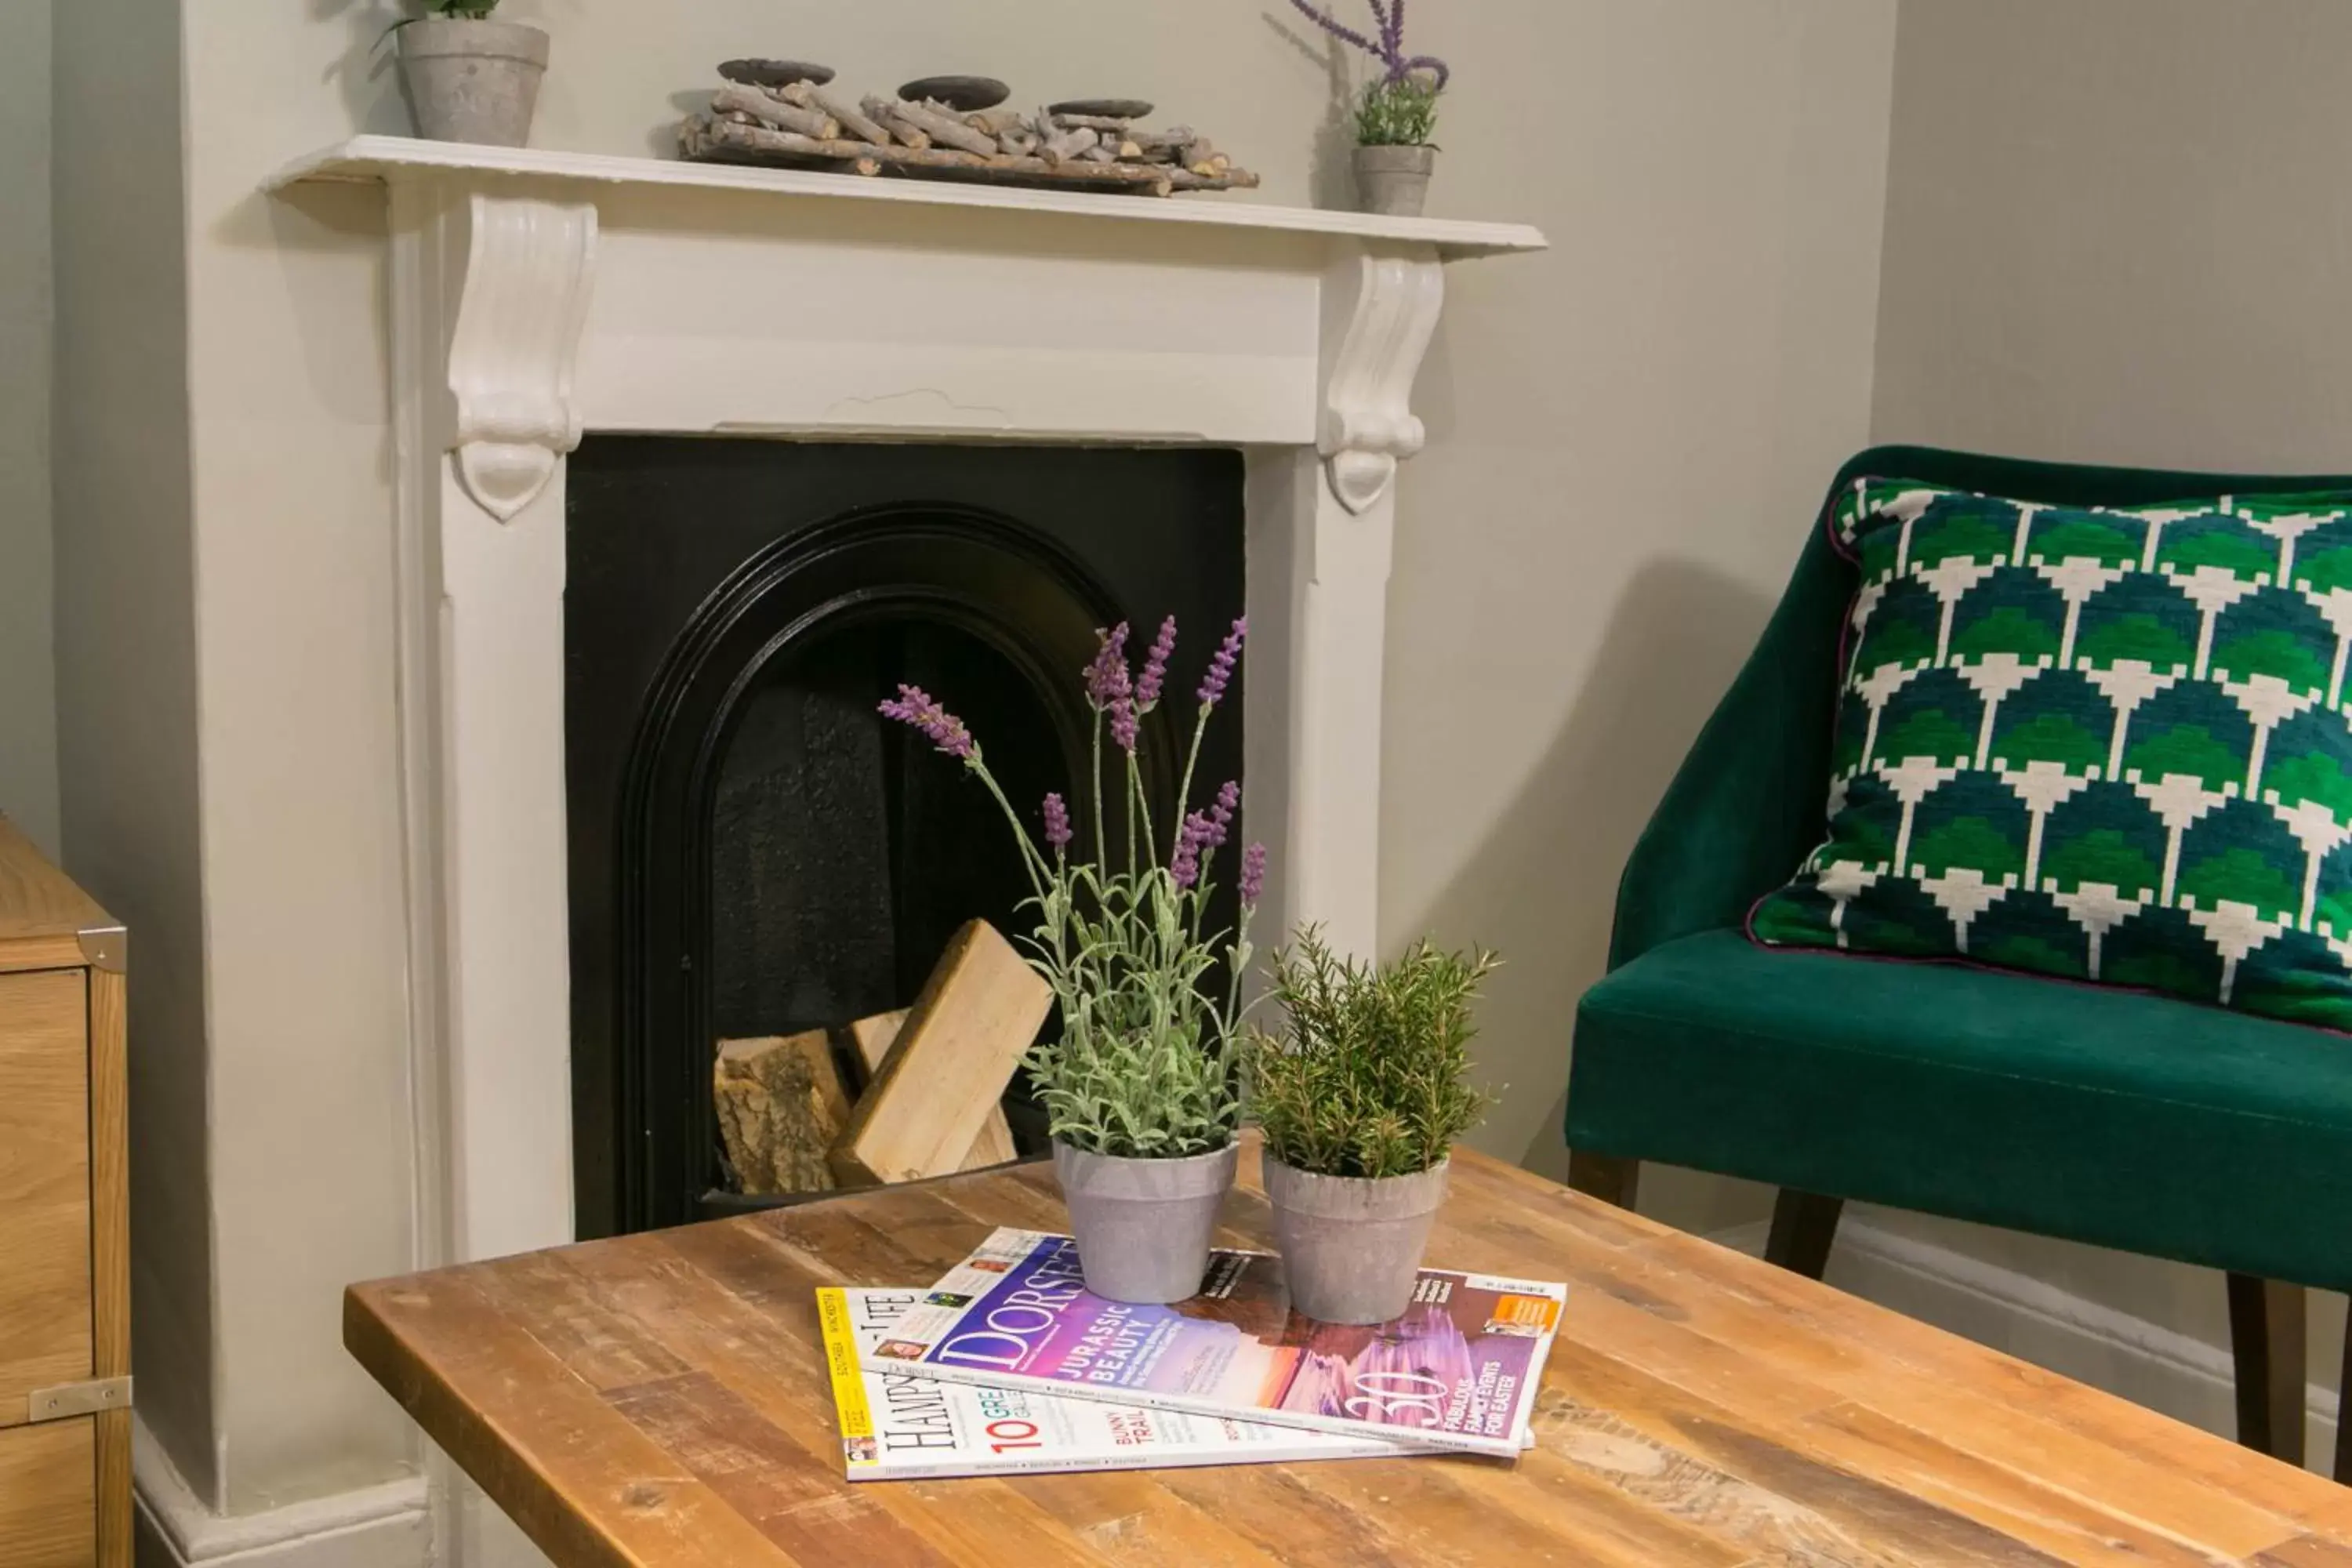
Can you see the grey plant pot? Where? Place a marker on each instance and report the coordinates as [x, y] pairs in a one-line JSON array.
[[1351, 1245], [1143, 1226], [1394, 181], [471, 80]]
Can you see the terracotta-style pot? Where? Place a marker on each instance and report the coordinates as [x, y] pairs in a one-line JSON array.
[[1143, 1226], [1394, 181], [1351, 1246], [471, 80]]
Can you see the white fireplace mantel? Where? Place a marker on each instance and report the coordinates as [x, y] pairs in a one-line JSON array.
[[536, 296]]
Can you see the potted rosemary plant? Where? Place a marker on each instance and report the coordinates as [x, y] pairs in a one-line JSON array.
[[1141, 1085], [1397, 113], [1360, 1099], [468, 78]]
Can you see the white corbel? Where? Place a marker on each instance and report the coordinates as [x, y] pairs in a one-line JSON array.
[[521, 268], [1380, 307]]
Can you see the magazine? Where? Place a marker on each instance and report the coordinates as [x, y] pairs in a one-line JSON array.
[[896, 1425], [1458, 1371]]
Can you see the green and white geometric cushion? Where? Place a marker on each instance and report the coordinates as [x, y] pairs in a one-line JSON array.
[[2110, 745]]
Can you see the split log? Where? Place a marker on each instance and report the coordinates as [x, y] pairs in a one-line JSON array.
[[944, 129], [770, 110], [1099, 123], [780, 1110], [1101, 152], [1068, 144], [963, 1038], [1125, 150], [1167, 141], [998, 122], [838, 104], [886, 111], [873, 1038]]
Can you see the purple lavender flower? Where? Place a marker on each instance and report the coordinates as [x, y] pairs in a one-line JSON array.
[[1388, 49], [1221, 816], [1155, 667], [919, 708], [1057, 824], [1253, 873], [1106, 680], [1185, 866], [1220, 666], [1123, 723]]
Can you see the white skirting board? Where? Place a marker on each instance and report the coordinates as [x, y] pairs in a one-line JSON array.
[[2168, 1371], [384, 1526]]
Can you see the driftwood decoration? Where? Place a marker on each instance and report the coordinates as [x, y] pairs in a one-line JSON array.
[[807, 124]]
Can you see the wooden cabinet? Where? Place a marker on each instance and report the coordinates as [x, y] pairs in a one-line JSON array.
[[65, 1289]]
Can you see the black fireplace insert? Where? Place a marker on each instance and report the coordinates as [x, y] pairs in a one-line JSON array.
[[753, 849]]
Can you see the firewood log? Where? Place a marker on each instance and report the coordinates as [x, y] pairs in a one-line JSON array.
[[780, 1110]]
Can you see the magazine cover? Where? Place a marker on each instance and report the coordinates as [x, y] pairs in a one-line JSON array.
[[1459, 1370], [896, 1425]]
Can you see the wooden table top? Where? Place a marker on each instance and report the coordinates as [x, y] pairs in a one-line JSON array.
[[661, 1399]]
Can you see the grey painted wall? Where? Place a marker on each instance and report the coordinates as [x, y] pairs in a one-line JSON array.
[[28, 737]]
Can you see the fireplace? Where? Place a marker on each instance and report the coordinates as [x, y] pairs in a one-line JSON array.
[[752, 850], [534, 296]]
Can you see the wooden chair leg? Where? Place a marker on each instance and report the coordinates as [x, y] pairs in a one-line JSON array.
[[1608, 1177], [1803, 1226], [2266, 1340], [2344, 1411]]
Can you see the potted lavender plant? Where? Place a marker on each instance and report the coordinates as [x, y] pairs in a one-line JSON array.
[[1360, 1099], [1141, 1085], [1397, 113], [468, 78]]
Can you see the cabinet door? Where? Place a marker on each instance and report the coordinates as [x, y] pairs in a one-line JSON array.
[[44, 1280], [48, 1496]]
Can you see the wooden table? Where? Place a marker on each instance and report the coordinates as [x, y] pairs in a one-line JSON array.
[[659, 1399]]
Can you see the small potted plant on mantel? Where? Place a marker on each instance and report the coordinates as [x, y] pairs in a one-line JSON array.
[[1360, 1097], [1397, 115], [1141, 1085], [468, 78]]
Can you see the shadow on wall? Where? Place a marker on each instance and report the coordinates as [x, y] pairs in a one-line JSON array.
[[1677, 636], [364, 74], [1329, 177]]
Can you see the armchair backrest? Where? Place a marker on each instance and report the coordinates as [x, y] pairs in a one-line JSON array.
[[1747, 803]]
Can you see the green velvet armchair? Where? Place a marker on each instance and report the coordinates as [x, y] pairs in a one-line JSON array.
[[2128, 1121]]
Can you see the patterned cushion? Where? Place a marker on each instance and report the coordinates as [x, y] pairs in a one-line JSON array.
[[2111, 745]]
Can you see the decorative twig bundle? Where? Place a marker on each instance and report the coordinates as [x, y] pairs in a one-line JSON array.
[[806, 124]]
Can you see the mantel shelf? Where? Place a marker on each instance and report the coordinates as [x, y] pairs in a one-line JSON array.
[[391, 158]]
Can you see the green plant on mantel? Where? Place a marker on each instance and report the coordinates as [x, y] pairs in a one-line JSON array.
[[472, 10], [1401, 113], [1367, 1079]]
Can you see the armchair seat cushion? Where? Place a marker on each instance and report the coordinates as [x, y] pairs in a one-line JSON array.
[[2127, 1119]]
